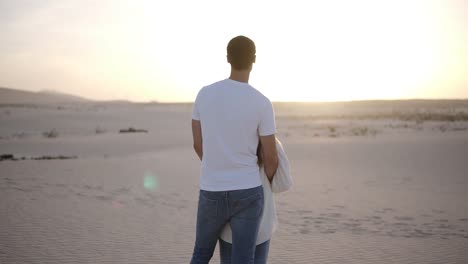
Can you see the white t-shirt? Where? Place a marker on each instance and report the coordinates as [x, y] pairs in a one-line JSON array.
[[232, 115]]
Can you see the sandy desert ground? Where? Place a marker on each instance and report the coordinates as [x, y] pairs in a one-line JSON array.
[[375, 182]]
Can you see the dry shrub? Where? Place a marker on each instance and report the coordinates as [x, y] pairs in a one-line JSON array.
[[51, 134], [363, 131]]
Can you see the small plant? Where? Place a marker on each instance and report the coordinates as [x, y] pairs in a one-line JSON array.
[[360, 131], [443, 128], [419, 120], [100, 130], [363, 131], [51, 134]]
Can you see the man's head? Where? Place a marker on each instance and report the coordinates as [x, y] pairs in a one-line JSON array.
[[241, 53]]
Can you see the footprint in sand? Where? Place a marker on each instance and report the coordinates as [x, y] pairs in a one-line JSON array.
[[445, 226], [143, 201], [304, 211], [335, 215], [103, 197], [374, 220], [404, 218], [339, 206], [174, 204], [90, 187], [355, 224], [121, 190], [80, 194], [328, 231], [21, 189], [422, 233], [400, 224], [385, 210], [321, 218], [10, 181]]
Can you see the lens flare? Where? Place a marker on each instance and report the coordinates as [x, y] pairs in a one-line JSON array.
[[117, 204], [150, 182]]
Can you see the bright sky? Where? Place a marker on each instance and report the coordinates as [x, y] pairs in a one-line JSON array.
[[306, 50]]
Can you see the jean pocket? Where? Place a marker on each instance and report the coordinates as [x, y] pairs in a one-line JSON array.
[[250, 207], [207, 207]]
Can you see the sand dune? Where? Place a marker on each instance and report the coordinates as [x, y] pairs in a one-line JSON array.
[[375, 190]]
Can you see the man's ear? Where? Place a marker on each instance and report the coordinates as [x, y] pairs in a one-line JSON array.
[[254, 58], [228, 59]]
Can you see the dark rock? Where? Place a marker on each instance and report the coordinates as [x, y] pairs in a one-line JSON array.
[[7, 157], [133, 130]]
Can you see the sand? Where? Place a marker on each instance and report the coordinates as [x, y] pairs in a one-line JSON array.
[[370, 185]]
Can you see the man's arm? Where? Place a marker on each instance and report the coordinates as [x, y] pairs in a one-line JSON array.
[[270, 155], [197, 138]]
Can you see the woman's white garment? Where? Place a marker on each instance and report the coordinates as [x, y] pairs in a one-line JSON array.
[[269, 218], [282, 181]]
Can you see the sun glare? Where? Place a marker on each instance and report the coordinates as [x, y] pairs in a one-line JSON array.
[[306, 50], [353, 55], [309, 52]]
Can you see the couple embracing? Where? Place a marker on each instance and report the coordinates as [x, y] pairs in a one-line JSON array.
[[242, 164]]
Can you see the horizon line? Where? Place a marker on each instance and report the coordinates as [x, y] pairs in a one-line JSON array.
[[155, 101]]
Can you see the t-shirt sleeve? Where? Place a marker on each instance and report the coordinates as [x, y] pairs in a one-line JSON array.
[[195, 111], [267, 121]]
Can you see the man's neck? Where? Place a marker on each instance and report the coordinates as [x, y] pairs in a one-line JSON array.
[[240, 75]]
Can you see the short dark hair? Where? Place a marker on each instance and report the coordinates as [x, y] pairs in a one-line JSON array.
[[241, 52]]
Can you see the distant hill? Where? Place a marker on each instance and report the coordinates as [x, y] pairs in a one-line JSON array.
[[15, 96]]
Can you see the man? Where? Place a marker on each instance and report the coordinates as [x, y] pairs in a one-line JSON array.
[[230, 118]]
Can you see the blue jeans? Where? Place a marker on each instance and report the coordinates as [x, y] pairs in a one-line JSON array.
[[243, 209], [261, 252]]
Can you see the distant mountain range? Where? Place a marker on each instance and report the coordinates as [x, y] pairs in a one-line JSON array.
[[15, 96]]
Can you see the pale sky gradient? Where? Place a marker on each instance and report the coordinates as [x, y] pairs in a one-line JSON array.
[[306, 50]]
